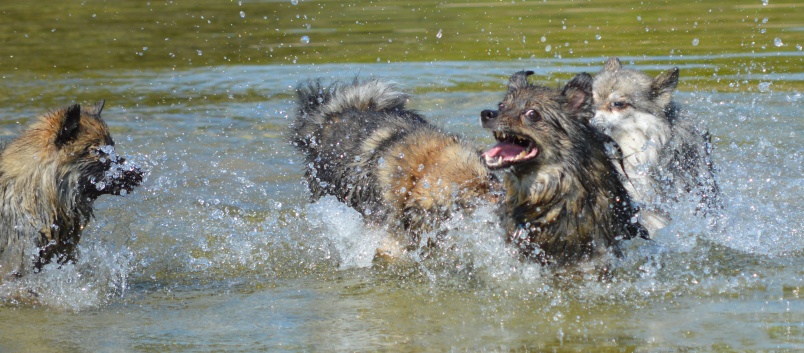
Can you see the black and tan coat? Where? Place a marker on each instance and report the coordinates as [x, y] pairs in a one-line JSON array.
[[50, 176]]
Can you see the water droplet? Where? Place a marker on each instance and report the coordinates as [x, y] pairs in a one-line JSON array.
[[639, 18], [199, 52], [695, 42], [764, 86], [438, 35], [597, 36], [294, 2], [764, 2], [548, 47], [543, 39], [798, 46], [305, 39], [778, 42], [242, 14]]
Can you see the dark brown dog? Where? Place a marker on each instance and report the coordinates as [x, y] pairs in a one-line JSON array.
[[564, 199], [49, 178]]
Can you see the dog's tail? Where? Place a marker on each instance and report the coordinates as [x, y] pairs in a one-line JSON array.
[[318, 104]]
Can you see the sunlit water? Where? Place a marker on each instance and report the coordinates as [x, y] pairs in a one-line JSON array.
[[220, 248]]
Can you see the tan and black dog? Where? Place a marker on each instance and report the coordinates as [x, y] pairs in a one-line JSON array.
[[363, 146], [50, 176]]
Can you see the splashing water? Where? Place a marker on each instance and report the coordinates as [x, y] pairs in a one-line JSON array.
[[118, 166]]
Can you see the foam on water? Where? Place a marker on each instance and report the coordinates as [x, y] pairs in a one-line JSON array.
[[353, 243], [100, 276], [694, 254]]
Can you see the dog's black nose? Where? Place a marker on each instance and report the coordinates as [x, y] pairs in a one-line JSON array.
[[487, 116]]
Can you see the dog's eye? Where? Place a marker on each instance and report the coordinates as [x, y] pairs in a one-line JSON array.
[[501, 106], [532, 114], [619, 105]]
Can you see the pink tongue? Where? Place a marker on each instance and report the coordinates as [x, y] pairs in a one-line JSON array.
[[504, 150]]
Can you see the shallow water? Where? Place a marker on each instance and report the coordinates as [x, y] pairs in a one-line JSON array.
[[220, 249]]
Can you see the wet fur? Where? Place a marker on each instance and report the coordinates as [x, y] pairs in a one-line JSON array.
[[567, 203], [666, 156], [49, 178], [362, 145]]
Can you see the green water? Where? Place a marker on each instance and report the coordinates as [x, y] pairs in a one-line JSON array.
[[52, 37], [220, 249]]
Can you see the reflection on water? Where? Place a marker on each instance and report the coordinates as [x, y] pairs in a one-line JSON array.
[[221, 250], [74, 37]]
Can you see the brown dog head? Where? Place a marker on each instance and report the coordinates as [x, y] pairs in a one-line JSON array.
[[69, 155], [535, 125]]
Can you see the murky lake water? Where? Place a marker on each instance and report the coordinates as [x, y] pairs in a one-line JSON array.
[[220, 249]]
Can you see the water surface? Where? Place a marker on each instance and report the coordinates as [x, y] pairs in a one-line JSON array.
[[220, 249]]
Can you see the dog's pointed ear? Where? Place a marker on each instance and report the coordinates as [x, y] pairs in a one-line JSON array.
[[99, 106], [578, 92], [663, 86], [69, 122], [613, 64], [519, 80]]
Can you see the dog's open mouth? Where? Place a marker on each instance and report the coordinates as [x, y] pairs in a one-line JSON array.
[[511, 149]]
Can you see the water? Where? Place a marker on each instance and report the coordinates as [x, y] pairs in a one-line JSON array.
[[220, 249]]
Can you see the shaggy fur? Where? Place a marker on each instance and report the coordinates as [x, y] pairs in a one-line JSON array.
[[564, 199], [665, 156], [49, 178], [363, 146], [562, 204]]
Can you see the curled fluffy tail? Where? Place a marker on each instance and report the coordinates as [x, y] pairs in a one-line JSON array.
[[318, 104]]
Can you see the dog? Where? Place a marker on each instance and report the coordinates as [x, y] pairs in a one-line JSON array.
[[50, 175], [562, 203], [362, 145], [564, 200], [664, 155]]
